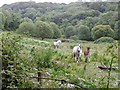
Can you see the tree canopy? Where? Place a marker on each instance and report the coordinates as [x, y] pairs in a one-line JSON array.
[[43, 30], [63, 19], [84, 33], [102, 31]]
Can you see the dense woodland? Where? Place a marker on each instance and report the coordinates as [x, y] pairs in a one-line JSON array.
[[78, 20], [29, 60]]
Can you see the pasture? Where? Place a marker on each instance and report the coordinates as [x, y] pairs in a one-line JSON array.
[[34, 56]]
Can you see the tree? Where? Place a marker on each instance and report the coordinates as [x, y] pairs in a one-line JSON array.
[[84, 14], [25, 19], [89, 21], [11, 60], [117, 30], [43, 30], [102, 31], [42, 18], [70, 31], [31, 13], [2, 20], [84, 33], [98, 6], [27, 28], [56, 30], [7, 19], [12, 21], [109, 18]]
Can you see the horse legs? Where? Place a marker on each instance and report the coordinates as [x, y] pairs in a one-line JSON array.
[[77, 58], [54, 46], [87, 58], [74, 55]]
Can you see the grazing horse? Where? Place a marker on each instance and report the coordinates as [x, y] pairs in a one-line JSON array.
[[56, 44], [77, 51], [87, 54]]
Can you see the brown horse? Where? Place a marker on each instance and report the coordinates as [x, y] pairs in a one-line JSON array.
[[87, 54]]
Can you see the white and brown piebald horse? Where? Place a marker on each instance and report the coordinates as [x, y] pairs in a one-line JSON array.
[[77, 51]]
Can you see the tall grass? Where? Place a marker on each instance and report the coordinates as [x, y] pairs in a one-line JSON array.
[[35, 56]]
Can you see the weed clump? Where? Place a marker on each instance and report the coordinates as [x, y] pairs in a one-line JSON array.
[[104, 39]]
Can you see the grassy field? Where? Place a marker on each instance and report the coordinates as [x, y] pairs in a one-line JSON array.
[[85, 74]]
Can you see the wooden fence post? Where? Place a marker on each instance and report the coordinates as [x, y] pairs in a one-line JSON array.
[[40, 75]]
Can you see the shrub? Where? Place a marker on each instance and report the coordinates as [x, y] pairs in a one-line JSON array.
[[117, 30], [26, 28], [43, 30], [102, 31], [44, 56], [10, 60], [104, 39], [84, 33], [56, 30], [74, 37], [69, 31]]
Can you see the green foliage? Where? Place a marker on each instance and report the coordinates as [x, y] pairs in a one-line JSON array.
[[44, 56], [94, 56], [89, 21], [70, 31], [31, 13], [56, 30], [75, 37], [26, 19], [40, 19], [2, 20], [102, 31], [114, 56], [98, 6], [104, 39], [107, 59], [84, 33], [43, 30], [72, 46], [117, 30], [73, 14], [10, 60], [27, 28], [37, 55], [12, 21], [84, 14], [108, 18]]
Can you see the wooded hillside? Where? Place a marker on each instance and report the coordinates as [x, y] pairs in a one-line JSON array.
[[68, 18]]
